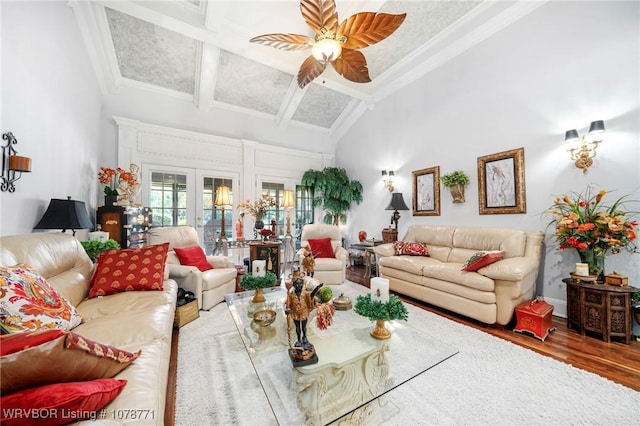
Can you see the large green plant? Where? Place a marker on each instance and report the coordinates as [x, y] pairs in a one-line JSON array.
[[333, 191], [95, 247]]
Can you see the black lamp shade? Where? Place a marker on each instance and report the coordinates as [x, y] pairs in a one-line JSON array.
[[571, 135], [65, 214], [397, 202], [596, 126]]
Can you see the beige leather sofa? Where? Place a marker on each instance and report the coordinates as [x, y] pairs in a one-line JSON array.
[[327, 270], [488, 295], [131, 321], [208, 286]]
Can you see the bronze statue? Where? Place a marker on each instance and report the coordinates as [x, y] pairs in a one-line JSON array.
[[300, 303]]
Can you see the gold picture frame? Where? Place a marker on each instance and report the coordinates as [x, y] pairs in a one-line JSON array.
[[501, 188], [426, 192]]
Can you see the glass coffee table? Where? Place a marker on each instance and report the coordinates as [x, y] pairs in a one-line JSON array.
[[353, 372]]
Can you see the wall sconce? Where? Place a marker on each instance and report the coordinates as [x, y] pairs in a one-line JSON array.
[[223, 198], [288, 202], [583, 155], [12, 165], [387, 179]]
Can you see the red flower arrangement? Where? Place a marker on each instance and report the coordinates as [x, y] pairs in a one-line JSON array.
[[112, 178]]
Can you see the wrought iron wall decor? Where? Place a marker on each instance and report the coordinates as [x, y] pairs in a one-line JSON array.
[[13, 165]]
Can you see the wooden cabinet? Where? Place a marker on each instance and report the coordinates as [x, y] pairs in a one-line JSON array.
[[127, 225], [268, 251], [599, 308]]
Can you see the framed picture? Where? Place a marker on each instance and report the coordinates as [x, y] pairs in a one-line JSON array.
[[426, 192], [501, 187]]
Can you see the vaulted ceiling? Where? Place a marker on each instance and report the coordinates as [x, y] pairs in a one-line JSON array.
[[199, 50]]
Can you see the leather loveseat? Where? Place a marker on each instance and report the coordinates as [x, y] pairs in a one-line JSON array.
[[489, 294], [131, 321]]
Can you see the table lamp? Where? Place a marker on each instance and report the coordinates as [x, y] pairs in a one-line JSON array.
[[397, 203], [65, 214], [223, 198], [288, 203]]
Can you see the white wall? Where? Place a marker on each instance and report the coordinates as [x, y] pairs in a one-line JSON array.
[[51, 102], [561, 67]]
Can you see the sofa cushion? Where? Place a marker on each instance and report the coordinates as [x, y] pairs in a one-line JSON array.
[[321, 247], [30, 302], [129, 270], [452, 273], [43, 357], [193, 256], [482, 259], [410, 248], [74, 398], [412, 264]]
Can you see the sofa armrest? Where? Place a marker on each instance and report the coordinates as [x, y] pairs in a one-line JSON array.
[[512, 269], [384, 250], [342, 254], [220, 261], [188, 278]]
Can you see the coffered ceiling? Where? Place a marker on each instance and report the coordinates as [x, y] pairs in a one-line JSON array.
[[199, 50]]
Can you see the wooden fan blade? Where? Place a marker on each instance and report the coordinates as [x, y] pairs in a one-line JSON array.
[[284, 41], [310, 69], [367, 28], [319, 14], [352, 65]]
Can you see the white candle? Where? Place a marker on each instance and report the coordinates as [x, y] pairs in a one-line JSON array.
[[380, 289], [582, 269], [258, 268]]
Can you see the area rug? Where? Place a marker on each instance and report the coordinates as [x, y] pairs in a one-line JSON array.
[[490, 381]]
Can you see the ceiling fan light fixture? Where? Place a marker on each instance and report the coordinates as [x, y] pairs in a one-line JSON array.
[[326, 50]]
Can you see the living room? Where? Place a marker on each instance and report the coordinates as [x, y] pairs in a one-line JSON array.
[[559, 67]]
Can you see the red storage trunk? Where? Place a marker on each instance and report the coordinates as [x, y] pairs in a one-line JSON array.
[[535, 317]]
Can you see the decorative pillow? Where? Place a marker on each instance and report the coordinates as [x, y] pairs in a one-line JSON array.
[[42, 357], [193, 256], [321, 247], [482, 259], [412, 249], [61, 402], [28, 302], [129, 269]]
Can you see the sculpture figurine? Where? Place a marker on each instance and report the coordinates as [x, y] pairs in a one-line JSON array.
[[300, 303], [240, 228], [308, 263]]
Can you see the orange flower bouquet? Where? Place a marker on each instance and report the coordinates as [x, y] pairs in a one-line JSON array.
[[592, 227], [112, 179]]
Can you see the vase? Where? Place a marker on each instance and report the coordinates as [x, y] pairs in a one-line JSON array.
[[259, 224], [380, 331], [258, 297], [110, 200], [457, 192], [595, 260]]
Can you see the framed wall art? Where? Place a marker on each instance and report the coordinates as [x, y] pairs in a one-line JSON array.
[[501, 188], [426, 192]]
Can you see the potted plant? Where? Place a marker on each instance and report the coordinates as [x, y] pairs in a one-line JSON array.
[[257, 283], [380, 312], [456, 181], [333, 190], [95, 247]]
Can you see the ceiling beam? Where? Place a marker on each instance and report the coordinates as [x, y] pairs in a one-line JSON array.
[[206, 75], [290, 104]]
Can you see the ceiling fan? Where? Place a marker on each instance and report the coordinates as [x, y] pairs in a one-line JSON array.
[[332, 43]]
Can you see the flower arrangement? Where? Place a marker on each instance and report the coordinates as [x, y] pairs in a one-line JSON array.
[[113, 179], [257, 208], [586, 223]]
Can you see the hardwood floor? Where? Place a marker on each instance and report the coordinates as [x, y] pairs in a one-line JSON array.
[[615, 361]]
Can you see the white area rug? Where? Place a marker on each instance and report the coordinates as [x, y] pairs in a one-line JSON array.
[[489, 382]]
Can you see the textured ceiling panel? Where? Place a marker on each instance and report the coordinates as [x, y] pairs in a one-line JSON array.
[[425, 20], [321, 106], [246, 83], [152, 54]]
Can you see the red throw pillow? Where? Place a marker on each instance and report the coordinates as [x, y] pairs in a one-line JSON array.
[[321, 247], [411, 249], [482, 259], [129, 269], [42, 357], [193, 256], [59, 403]]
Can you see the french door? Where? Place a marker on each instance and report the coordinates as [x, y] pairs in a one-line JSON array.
[[182, 196]]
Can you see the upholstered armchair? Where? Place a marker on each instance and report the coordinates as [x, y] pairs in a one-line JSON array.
[[209, 286], [326, 270]]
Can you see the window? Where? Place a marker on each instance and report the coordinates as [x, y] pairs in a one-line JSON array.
[[304, 208], [277, 213], [168, 199]]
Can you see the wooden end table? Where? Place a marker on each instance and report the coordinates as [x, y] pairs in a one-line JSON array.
[[599, 308]]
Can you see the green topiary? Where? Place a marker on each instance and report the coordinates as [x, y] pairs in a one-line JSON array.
[[394, 309], [325, 294], [249, 282], [453, 178]]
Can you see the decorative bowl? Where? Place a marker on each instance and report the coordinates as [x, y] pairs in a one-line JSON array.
[[264, 317]]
